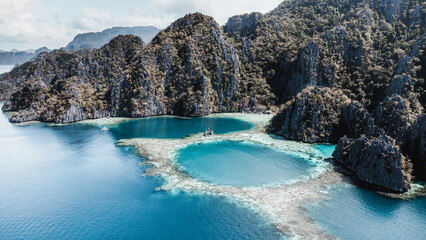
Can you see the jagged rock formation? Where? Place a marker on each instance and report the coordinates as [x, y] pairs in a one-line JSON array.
[[377, 66], [376, 161], [243, 25], [321, 114], [196, 69], [356, 121], [395, 115], [66, 86], [98, 39], [415, 146], [312, 116], [359, 61], [188, 69]]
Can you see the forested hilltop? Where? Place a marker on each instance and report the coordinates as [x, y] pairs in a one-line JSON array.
[[343, 71]]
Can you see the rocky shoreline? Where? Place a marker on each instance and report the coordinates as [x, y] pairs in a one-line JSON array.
[[282, 205], [355, 77], [375, 148]]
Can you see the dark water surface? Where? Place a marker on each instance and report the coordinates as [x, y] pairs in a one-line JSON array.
[[176, 127], [72, 182]]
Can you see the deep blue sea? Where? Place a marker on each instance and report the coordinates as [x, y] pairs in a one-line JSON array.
[[241, 164], [358, 213], [73, 182]]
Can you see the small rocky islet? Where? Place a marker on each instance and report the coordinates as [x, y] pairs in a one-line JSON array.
[[345, 72]]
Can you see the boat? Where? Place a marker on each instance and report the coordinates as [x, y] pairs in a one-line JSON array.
[[208, 132]]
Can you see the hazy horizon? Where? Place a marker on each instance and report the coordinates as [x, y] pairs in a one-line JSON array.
[[31, 24]]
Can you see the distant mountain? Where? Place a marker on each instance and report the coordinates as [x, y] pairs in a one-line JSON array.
[[18, 57], [348, 72], [98, 39]]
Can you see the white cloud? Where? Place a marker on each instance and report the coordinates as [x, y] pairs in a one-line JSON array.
[[221, 10], [23, 23], [96, 20], [92, 19], [14, 5], [180, 7], [21, 28], [16, 18], [35, 23]]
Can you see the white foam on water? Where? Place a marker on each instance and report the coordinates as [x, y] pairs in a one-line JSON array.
[[281, 204]]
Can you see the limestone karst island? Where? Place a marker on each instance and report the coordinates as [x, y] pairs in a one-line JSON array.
[[196, 119]]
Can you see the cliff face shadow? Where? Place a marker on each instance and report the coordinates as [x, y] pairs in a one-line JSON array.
[[276, 137], [350, 177]]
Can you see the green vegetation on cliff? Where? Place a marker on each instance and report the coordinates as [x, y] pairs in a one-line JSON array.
[[335, 67]]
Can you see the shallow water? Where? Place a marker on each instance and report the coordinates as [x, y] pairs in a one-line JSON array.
[[358, 213], [176, 127], [326, 149], [241, 164], [72, 182]]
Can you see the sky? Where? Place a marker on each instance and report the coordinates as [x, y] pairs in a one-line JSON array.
[[31, 24]]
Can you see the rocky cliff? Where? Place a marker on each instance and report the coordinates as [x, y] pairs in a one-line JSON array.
[[337, 68], [188, 69], [376, 98], [65, 86], [367, 142], [322, 114], [375, 160], [415, 146], [312, 116]]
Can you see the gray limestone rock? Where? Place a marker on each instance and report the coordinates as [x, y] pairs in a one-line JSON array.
[[415, 146], [399, 85], [313, 116], [396, 114], [244, 25], [375, 160], [356, 121]]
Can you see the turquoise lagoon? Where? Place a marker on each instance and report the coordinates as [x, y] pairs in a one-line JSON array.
[[241, 164], [73, 182]]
